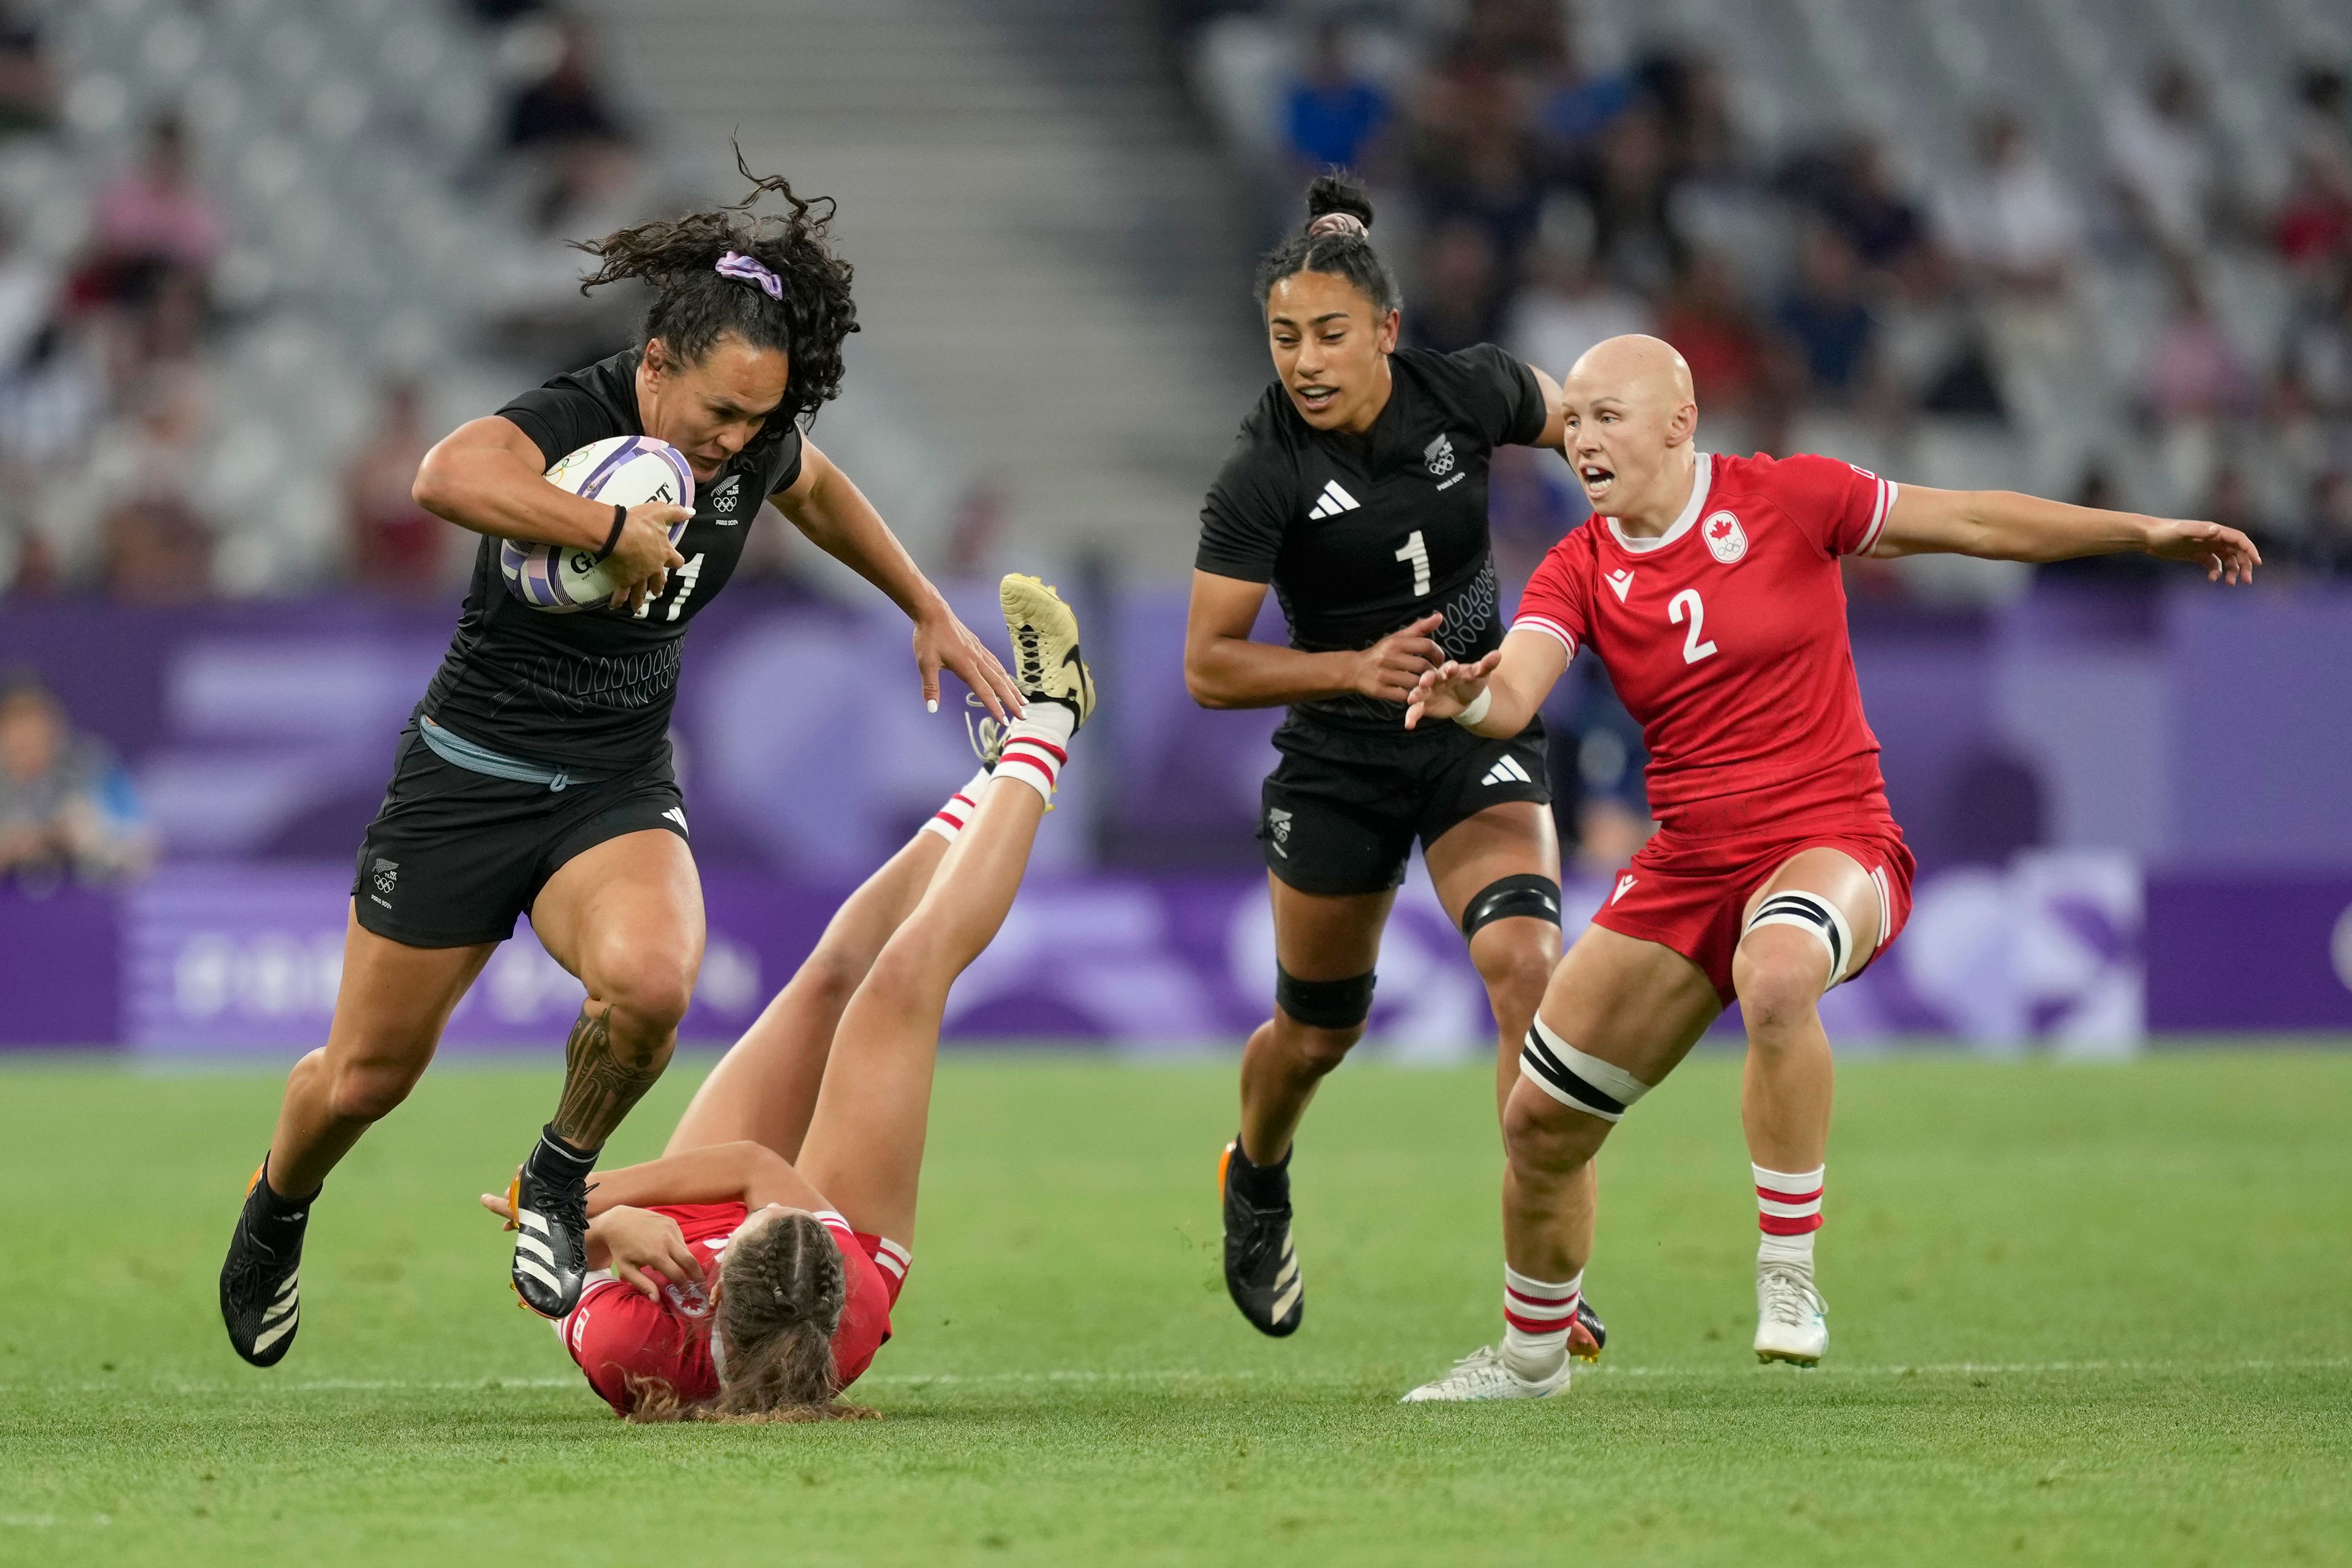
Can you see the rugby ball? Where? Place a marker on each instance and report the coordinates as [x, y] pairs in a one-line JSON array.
[[624, 470]]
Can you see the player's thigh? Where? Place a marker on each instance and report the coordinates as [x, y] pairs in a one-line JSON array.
[[394, 1000], [1328, 936], [1512, 840], [1787, 957], [625, 916], [1638, 1006]]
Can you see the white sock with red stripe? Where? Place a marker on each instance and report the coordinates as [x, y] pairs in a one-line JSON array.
[[1788, 1211], [1036, 745], [949, 819], [1537, 1316]]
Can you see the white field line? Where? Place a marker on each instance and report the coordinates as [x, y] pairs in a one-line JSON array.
[[1177, 1376]]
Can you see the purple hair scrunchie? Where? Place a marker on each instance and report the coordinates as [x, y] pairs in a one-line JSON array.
[[747, 270]]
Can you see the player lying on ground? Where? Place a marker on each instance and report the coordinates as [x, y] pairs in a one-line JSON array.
[[756, 1262], [1709, 586], [535, 775]]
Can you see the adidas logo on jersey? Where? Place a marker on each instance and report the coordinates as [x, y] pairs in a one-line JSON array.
[[1508, 771], [1333, 501], [676, 814], [1620, 583], [1439, 455], [725, 497]]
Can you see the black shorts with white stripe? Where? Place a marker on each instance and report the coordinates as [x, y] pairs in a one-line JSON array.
[[1341, 812]]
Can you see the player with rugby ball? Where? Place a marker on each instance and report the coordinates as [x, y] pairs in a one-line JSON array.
[[754, 1266], [1358, 491], [535, 775], [1710, 588]]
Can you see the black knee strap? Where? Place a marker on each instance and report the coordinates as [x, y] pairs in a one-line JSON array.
[[1324, 1004], [1526, 895]]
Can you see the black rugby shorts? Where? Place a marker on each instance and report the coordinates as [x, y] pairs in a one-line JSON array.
[[1342, 809], [454, 856]]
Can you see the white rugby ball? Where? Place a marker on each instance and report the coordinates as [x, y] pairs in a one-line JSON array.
[[622, 470]]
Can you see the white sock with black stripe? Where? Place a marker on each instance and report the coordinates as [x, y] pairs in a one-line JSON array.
[[948, 820]]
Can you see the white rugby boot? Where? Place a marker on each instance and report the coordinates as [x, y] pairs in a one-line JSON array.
[[1481, 1375], [1791, 1319]]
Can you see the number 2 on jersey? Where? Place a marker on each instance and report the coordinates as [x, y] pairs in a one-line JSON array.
[[1692, 649], [1417, 552]]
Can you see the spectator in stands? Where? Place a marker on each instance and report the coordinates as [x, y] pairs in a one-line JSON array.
[[28, 88], [1828, 322], [2327, 542], [565, 126], [1572, 104], [1569, 304], [1332, 113], [1706, 318], [2194, 374], [1854, 190], [396, 546], [66, 807], [1472, 154], [2017, 233], [1460, 297], [2160, 156], [2317, 359], [1627, 181], [152, 224], [28, 296]]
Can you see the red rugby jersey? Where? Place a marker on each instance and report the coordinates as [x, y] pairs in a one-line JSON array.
[[616, 1333], [1726, 639]]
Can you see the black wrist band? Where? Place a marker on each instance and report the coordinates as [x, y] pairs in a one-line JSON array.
[[613, 540]]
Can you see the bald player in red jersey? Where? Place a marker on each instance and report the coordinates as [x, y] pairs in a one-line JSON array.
[[1710, 589]]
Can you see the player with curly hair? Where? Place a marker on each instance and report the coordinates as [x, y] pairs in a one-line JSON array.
[[536, 775]]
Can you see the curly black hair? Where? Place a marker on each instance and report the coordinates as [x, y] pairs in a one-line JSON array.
[[1344, 251], [694, 305]]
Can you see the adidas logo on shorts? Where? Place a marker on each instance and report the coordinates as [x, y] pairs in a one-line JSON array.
[[1506, 771]]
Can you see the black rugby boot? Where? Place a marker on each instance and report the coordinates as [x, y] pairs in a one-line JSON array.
[[1587, 1324], [1261, 1259], [260, 1298], [549, 1199]]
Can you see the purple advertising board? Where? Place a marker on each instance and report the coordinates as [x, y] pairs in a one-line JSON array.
[[202, 960]]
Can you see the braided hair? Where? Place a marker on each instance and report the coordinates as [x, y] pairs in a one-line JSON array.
[[1336, 239], [781, 1293], [694, 304]]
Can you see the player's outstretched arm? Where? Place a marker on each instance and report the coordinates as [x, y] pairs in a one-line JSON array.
[[825, 504], [1224, 668], [1498, 694], [2003, 525]]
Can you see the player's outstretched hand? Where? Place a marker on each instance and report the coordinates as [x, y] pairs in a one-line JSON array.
[[941, 639], [1388, 668], [2227, 555], [1448, 690], [643, 555]]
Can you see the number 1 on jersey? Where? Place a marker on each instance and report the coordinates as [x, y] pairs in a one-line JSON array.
[[682, 588], [1692, 649], [1417, 552]]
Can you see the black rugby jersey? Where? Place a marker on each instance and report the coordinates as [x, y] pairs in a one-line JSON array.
[[592, 691], [1361, 535]]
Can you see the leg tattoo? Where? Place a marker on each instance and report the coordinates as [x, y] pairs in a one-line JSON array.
[[599, 1088]]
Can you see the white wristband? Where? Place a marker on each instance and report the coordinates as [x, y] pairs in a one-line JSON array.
[[1468, 717]]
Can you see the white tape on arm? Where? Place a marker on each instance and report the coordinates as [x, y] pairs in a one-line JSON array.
[[1468, 717]]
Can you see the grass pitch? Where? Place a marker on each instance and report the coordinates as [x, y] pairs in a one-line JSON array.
[[2081, 1315]]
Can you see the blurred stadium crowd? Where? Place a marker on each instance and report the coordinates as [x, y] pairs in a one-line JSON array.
[[2098, 248], [256, 254]]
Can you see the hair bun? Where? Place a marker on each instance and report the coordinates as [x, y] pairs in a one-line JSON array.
[[1336, 203]]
